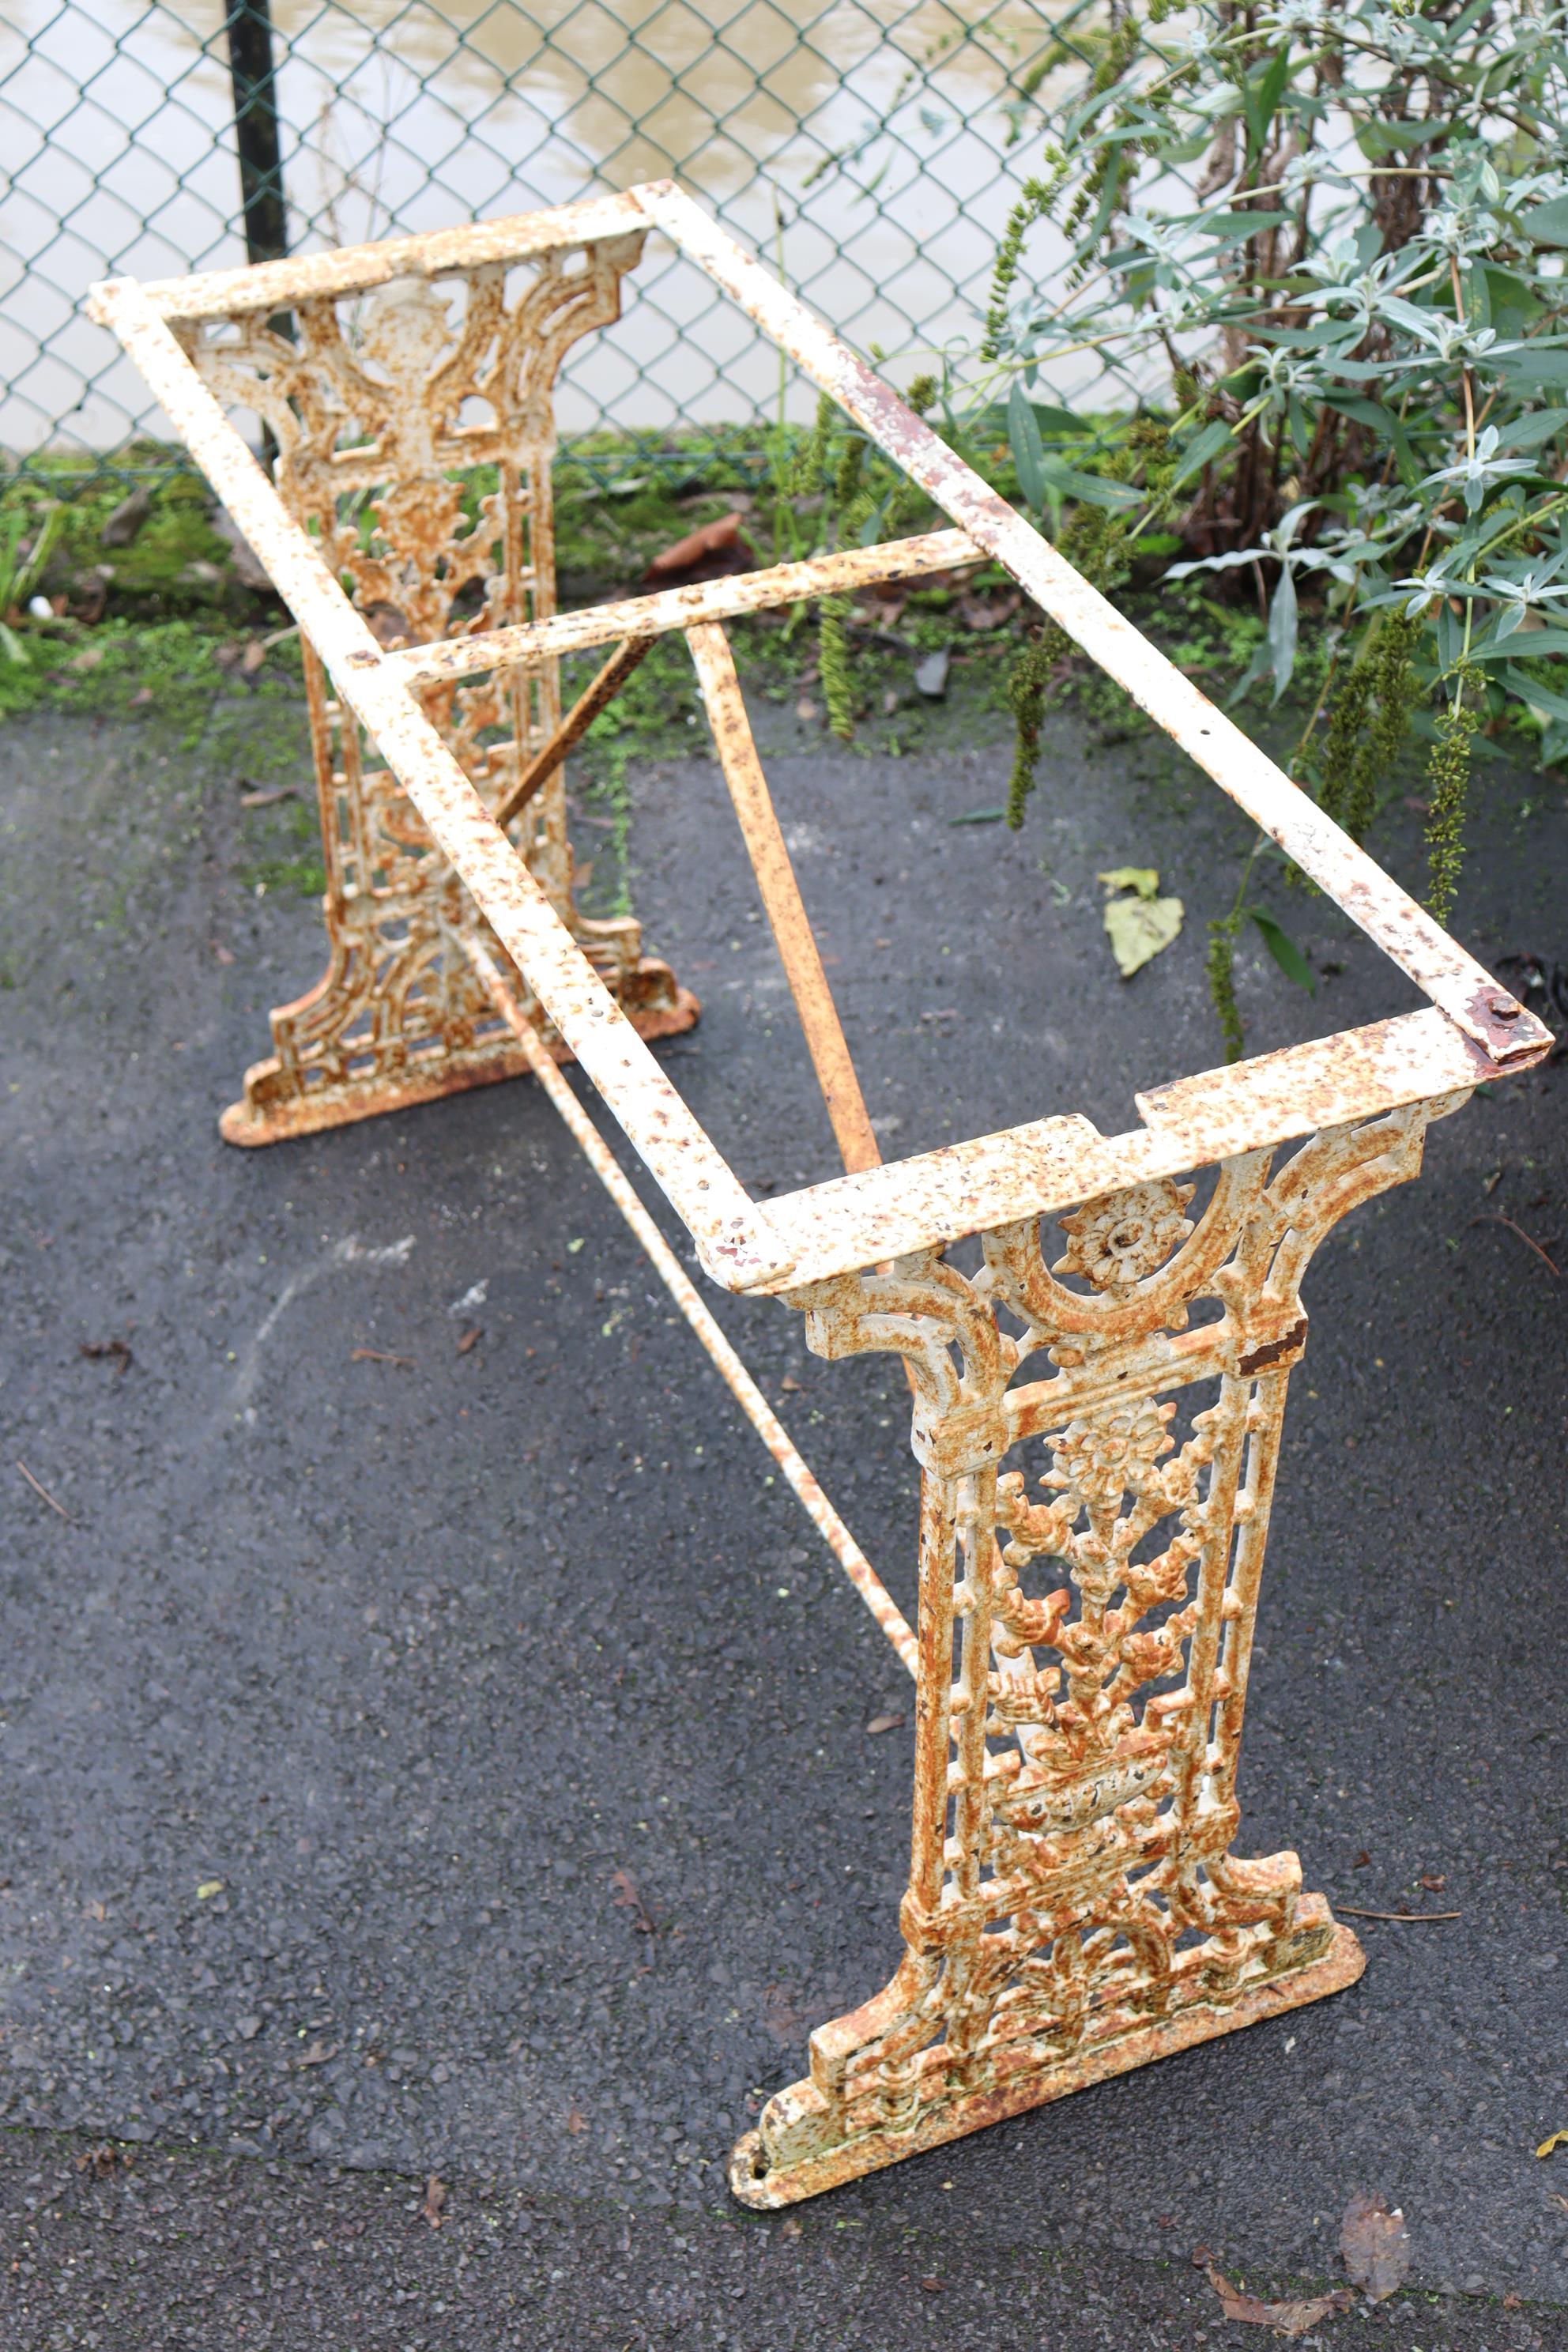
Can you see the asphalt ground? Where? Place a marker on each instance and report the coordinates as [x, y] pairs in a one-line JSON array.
[[459, 1767]]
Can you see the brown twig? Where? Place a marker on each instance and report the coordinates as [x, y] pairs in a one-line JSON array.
[[40, 1488], [1496, 1217], [378, 1356], [1349, 1911]]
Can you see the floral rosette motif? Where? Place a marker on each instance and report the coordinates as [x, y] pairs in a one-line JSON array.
[[1122, 1239], [1102, 1457]]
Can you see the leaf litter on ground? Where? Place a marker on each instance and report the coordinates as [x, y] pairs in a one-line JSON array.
[[1375, 2249], [1288, 2319], [1376, 2245]]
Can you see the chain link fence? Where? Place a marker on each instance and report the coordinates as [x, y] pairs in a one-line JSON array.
[[871, 149]]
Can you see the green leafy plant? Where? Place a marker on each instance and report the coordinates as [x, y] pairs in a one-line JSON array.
[[1219, 962], [1319, 248], [861, 499]]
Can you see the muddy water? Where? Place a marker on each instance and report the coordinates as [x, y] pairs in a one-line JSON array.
[[112, 117]]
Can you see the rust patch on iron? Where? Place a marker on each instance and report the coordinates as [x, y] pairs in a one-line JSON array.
[[1273, 1352], [1508, 1031]]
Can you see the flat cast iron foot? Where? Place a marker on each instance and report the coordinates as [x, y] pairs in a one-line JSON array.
[[801, 2118], [274, 1108]]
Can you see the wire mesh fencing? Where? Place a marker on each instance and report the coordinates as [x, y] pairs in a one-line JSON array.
[[870, 149]]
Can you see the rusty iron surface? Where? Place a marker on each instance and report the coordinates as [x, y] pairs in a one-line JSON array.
[[597, 696], [438, 252], [398, 1009], [940, 1196], [683, 608], [734, 1237], [754, 2182], [270, 1110], [782, 901], [1073, 1906]]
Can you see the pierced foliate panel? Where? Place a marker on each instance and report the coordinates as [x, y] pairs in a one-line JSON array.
[[1086, 1626], [414, 432]]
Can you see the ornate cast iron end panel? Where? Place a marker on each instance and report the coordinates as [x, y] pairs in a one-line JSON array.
[[1086, 1619], [379, 406]]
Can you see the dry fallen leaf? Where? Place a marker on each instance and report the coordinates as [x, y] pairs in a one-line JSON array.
[[628, 1894], [883, 1723], [122, 525], [91, 589], [435, 2205], [1558, 2139], [1140, 928], [470, 1339], [263, 795], [320, 2054], [1287, 2319], [576, 2121], [790, 1385], [248, 568], [1375, 2246]]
